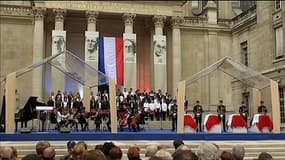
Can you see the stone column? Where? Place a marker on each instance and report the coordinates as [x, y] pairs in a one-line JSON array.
[[59, 19], [212, 12], [38, 51], [58, 77], [91, 20], [176, 52], [283, 23], [159, 73], [129, 21], [91, 30], [130, 68]]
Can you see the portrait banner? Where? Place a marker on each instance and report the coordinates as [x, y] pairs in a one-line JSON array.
[[159, 49], [160, 67], [130, 60], [58, 41], [130, 55], [58, 46], [91, 46]]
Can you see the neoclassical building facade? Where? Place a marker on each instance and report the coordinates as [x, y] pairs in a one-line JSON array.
[[197, 35]]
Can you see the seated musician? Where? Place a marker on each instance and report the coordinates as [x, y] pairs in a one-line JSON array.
[[134, 121], [243, 111], [97, 121], [72, 120], [82, 119], [43, 118], [61, 116], [262, 109]]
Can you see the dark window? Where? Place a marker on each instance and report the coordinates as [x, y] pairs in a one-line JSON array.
[[277, 4], [244, 53], [245, 5], [282, 108]]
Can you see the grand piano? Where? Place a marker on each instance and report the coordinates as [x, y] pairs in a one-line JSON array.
[[28, 112]]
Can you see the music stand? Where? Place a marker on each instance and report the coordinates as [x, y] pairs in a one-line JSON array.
[[43, 108]]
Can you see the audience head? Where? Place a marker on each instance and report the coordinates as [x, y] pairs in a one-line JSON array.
[[48, 154], [177, 143], [227, 156], [83, 143], [78, 151], [40, 146], [151, 150], [183, 147], [116, 153], [32, 157], [6, 153], [70, 145], [99, 147], [184, 155], [14, 153], [93, 155], [238, 152], [162, 155], [264, 156], [208, 151], [133, 153], [107, 146]]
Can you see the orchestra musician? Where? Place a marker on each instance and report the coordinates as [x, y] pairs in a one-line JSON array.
[[198, 110], [151, 109], [157, 105], [262, 109], [163, 108], [82, 119], [173, 112], [243, 111], [222, 114]]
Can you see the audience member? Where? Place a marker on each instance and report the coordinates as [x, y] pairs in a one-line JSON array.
[[14, 153], [184, 155], [40, 146], [116, 153], [93, 155], [107, 146], [48, 154], [264, 156], [184, 147], [177, 143], [238, 152], [162, 155], [32, 157], [134, 153], [208, 151], [99, 147], [227, 156], [78, 151], [6, 153], [151, 150], [69, 145]]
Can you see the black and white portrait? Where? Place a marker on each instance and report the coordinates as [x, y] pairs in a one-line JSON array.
[[91, 46], [159, 49], [58, 42], [130, 48]]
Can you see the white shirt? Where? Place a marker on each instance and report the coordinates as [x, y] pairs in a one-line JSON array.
[[151, 106], [145, 106], [164, 107]]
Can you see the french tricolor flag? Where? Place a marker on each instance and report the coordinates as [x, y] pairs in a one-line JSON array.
[[111, 58]]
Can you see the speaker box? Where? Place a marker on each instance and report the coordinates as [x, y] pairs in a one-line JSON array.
[[25, 130], [64, 130]]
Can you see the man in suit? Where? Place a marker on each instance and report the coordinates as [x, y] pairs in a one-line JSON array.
[[262, 109], [222, 114], [198, 110], [243, 111]]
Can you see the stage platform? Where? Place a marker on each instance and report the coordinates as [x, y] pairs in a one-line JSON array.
[[141, 135]]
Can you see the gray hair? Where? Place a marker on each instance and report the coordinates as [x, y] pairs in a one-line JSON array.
[[151, 150], [208, 151], [238, 152], [162, 155]]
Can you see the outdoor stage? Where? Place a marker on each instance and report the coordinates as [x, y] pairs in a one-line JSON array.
[[142, 135]]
